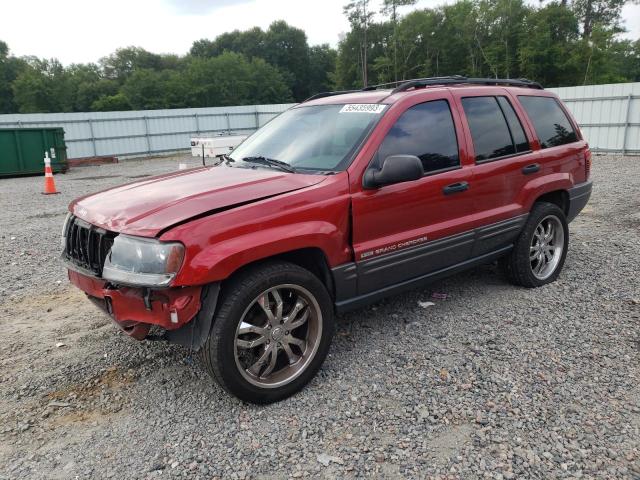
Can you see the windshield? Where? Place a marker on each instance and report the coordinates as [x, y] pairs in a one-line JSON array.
[[322, 137]]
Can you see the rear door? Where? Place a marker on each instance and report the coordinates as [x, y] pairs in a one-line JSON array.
[[560, 146], [409, 229], [503, 163]]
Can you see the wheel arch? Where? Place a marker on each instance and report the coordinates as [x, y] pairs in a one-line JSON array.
[[557, 197], [195, 333], [312, 259]]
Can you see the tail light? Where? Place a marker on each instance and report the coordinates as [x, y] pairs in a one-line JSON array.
[[587, 164]]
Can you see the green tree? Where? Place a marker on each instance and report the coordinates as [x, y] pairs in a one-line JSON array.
[[10, 68], [286, 47], [282, 46], [547, 46], [111, 103], [390, 8], [605, 13], [322, 68], [124, 61], [418, 44], [145, 89], [43, 86], [231, 79], [250, 43], [360, 17]]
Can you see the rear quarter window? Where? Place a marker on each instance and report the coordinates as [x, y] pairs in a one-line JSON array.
[[551, 124]]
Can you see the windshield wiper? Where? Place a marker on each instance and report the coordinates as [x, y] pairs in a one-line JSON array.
[[270, 162]]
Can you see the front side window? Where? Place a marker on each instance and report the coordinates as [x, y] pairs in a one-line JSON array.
[[320, 137], [489, 130], [426, 131], [550, 122]]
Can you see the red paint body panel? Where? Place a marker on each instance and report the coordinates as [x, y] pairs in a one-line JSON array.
[[316, 217], [147, 207], [230, 217]]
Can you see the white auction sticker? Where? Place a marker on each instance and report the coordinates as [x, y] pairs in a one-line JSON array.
[[362, 108]]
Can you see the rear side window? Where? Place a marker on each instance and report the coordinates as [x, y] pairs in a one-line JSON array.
[[495, 129], [550, 122], [426, 131], [517, 133]]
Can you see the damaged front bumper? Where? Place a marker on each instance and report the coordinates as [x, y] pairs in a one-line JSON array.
[[135, 310]]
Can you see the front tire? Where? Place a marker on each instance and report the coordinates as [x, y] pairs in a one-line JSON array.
[[540, 251], [271, 333]]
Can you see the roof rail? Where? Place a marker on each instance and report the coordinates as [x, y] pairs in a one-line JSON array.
[[399, 82], [403, 85], [457, 79], [329, 94]]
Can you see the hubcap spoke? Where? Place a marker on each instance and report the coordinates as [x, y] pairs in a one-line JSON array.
[[263, 301], [293, 358], [251, 343], [249, 328], [533, 253], [548, 232], [255, 368], [272, 362], [291, 321], [291, 340], [278, 314]]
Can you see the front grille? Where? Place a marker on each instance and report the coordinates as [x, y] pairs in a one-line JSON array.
[[87, 245]]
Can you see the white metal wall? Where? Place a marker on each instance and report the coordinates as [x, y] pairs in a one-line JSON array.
[[144, 132], [608, 115]]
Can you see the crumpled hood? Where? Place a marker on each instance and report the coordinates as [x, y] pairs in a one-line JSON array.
[[149, 206]]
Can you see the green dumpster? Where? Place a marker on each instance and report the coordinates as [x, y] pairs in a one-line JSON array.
[[22, 150]]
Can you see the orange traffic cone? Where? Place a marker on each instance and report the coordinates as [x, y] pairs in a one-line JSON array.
[[49, 184]]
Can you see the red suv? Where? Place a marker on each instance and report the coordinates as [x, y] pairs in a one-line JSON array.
[[341, 200]]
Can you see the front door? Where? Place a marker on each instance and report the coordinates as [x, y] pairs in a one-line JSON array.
[[406, 230]]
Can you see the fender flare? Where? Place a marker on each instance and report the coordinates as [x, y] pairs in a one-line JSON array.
[[194, 333]]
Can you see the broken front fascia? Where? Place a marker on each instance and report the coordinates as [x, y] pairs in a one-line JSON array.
[[136, 309]]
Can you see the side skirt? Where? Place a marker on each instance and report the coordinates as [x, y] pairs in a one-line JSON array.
[[371, 297]]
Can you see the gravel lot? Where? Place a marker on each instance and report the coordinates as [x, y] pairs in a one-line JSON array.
[[492, 381]]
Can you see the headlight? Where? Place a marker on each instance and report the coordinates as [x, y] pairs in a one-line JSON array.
[[142, 262], [65, 227]]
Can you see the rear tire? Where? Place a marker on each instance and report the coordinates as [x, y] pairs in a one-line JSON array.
[[541, 248], [271, 332]]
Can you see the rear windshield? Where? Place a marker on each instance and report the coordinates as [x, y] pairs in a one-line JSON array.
[[549, 120], [321, 137]]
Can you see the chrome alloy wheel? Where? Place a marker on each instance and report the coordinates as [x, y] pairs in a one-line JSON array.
[[546, 247], [278, 336]]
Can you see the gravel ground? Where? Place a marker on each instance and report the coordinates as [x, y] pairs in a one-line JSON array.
[[492, 381]]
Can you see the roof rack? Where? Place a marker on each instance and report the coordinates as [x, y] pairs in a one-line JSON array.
[[457, 79], [403, 85], [400, 82]]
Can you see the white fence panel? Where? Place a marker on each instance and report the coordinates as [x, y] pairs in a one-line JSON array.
[[609, 115], [145, 132]]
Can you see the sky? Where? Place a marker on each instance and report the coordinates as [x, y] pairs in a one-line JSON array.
[[82, 31]]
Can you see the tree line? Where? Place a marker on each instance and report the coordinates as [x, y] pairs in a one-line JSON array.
[[557, 44]]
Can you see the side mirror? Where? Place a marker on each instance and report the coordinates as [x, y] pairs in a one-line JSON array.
[[395, 169]]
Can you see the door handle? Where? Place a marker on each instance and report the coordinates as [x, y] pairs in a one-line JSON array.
[[455, 187], [529, 169]]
